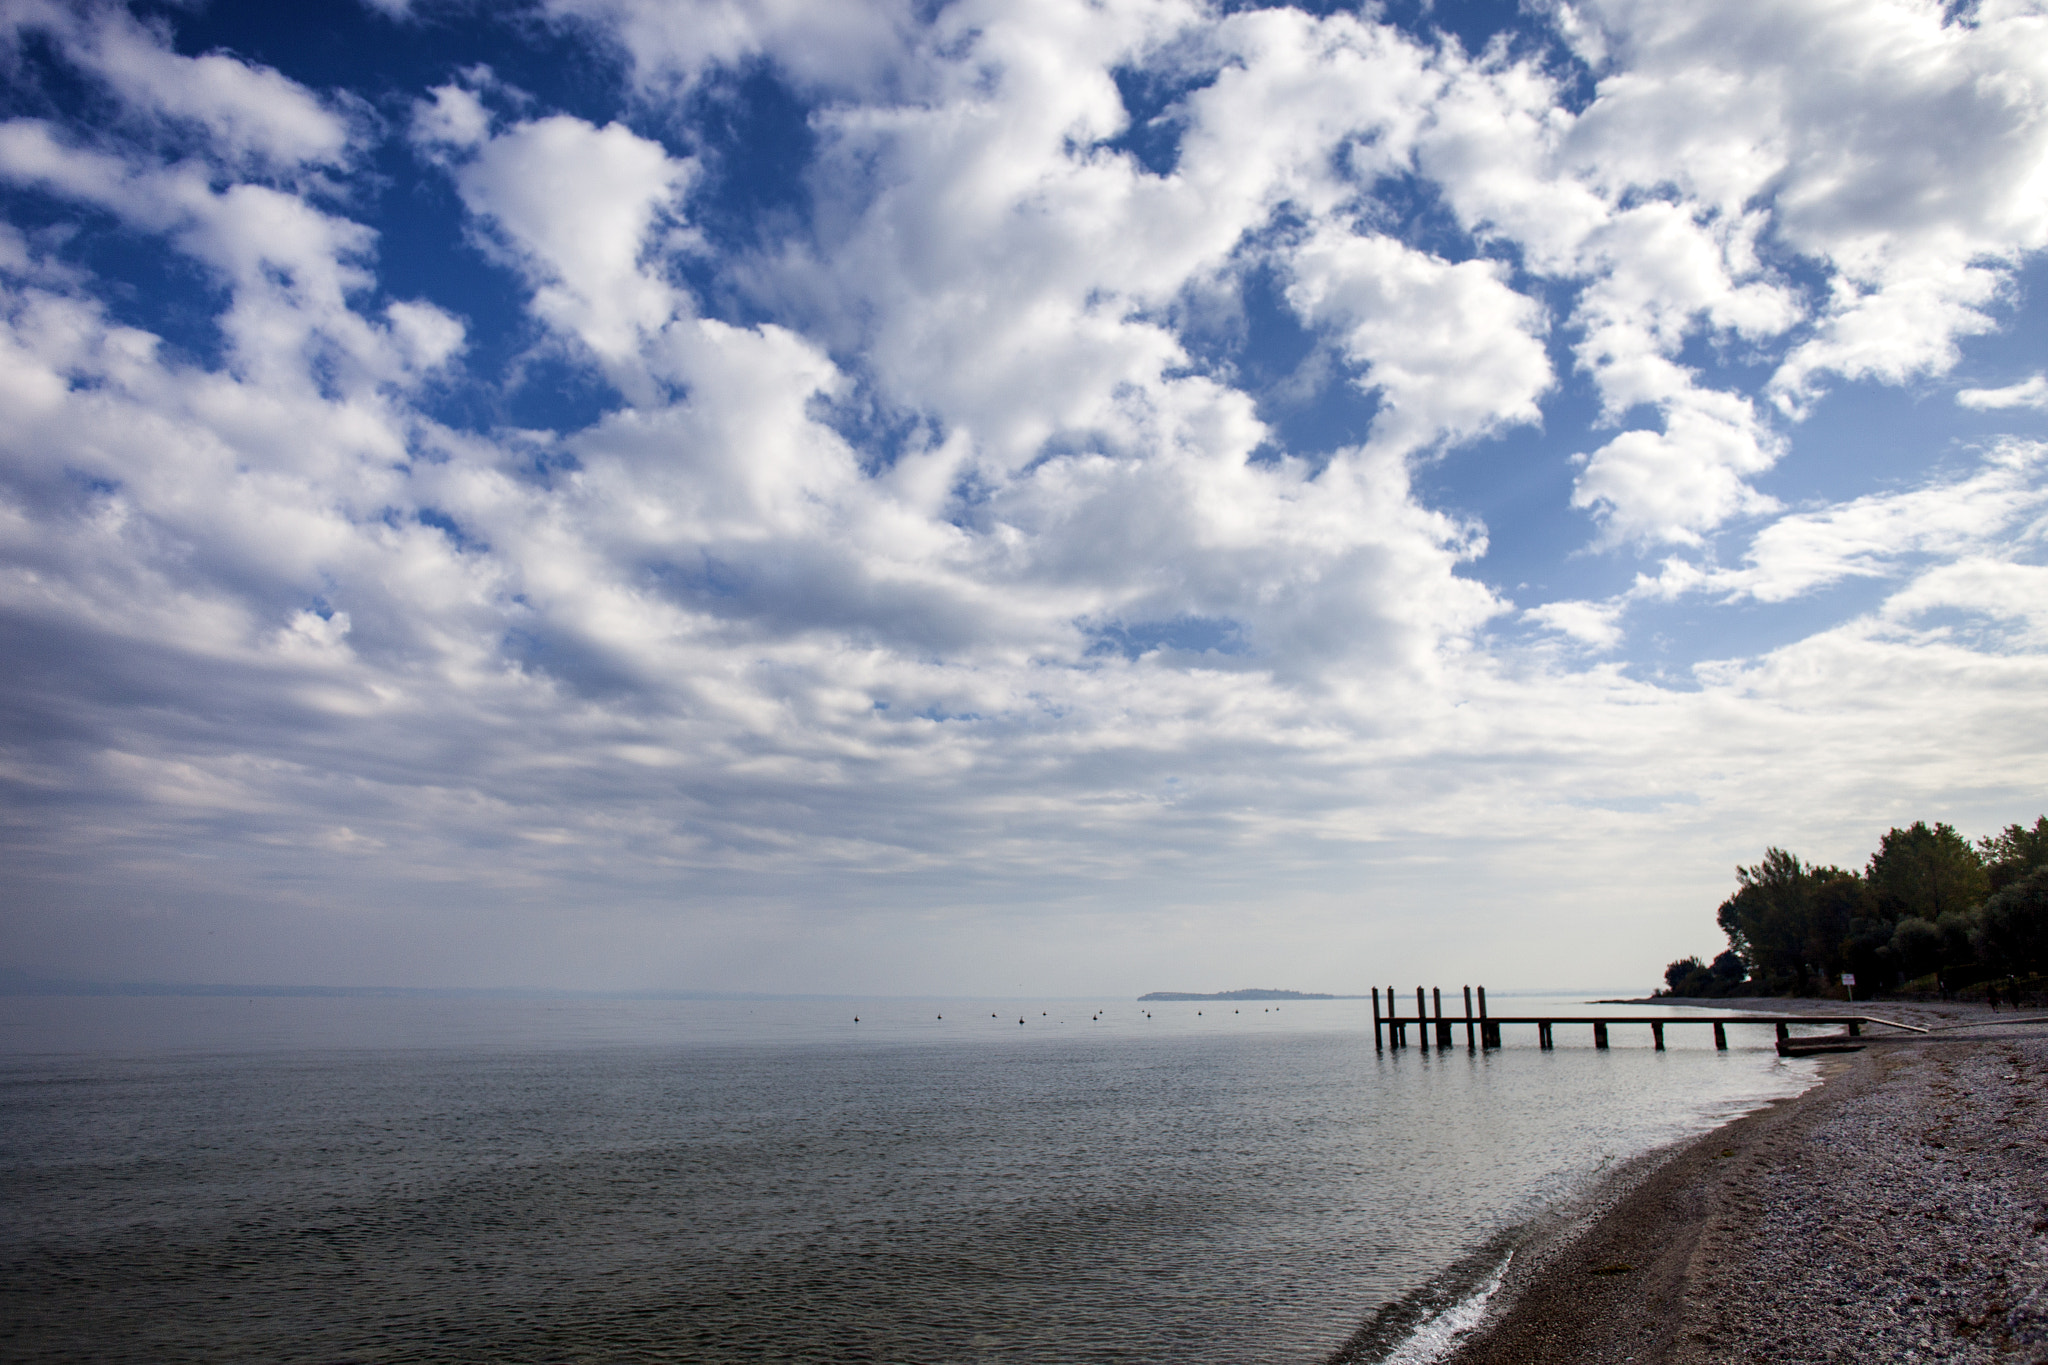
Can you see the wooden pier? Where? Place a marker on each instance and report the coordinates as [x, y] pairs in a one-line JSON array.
[[1483, 1030]]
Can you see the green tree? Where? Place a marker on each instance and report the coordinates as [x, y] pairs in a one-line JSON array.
[[1867, 951], [1924, 873], [2012, 930], [2013, 852], [1839, 900], [1690, 976], [1729, 973], [1916, 944], [1775, 919], [1684, 976]]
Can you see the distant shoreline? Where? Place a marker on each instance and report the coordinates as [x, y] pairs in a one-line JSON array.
[[1246, 995]]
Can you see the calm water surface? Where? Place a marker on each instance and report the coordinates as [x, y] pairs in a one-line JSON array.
[[413, 1180]]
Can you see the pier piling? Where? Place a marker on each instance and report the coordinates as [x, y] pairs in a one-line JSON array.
[[1469, 1045], [1599, 1034], [1657, 1033], [1720, 1037]]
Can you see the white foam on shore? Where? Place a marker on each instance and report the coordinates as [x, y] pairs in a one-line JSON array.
[[1439, 1335]]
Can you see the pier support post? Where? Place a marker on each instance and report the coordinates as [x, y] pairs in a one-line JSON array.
[[1436, 1009], [1855, 1028], [1783, 1033], [1421, 1020], [1657, 1032], [1489, 1033], [1469, 1044], [1720, 1037], [1543, 1039], [1377, 1045], [1599, 1035]]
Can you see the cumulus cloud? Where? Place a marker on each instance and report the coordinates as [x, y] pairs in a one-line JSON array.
[[245, 113], [1891, 148], [574, 207], [925, 554], [1454, 352], [1689, 478]]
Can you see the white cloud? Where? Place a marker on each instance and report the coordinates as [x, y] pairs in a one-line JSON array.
[[2028, 393], [1593, 624], [1676, 484], [1980, 589], [1900, 154], [451, 117], [1452, 350], [847, 44], [289, 266], [1880, 534], [1069, 623], [248, 113], [577, 207], [1898, 147]]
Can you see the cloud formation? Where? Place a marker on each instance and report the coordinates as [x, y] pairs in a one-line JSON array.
[[1035, 516]]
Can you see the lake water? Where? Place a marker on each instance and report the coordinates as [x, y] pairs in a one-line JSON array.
[[350, 1179]]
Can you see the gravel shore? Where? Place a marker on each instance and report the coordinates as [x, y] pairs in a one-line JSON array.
[[1896, 1212]]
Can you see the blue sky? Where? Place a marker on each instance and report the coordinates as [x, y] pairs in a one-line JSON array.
[[1093, 497]]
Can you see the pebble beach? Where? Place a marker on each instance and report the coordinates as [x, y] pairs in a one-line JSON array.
[[1895, 1212]]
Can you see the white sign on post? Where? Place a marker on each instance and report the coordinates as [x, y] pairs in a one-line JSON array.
[[1848, 978]]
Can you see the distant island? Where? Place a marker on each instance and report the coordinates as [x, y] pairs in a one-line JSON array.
[[1247, 995]]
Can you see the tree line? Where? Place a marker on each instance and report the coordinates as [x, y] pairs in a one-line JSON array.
[[1928, 903]]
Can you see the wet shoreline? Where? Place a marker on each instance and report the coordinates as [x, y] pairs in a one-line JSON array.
[[1895, 1211]]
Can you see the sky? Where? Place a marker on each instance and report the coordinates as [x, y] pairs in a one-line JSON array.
[[913, 496]]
